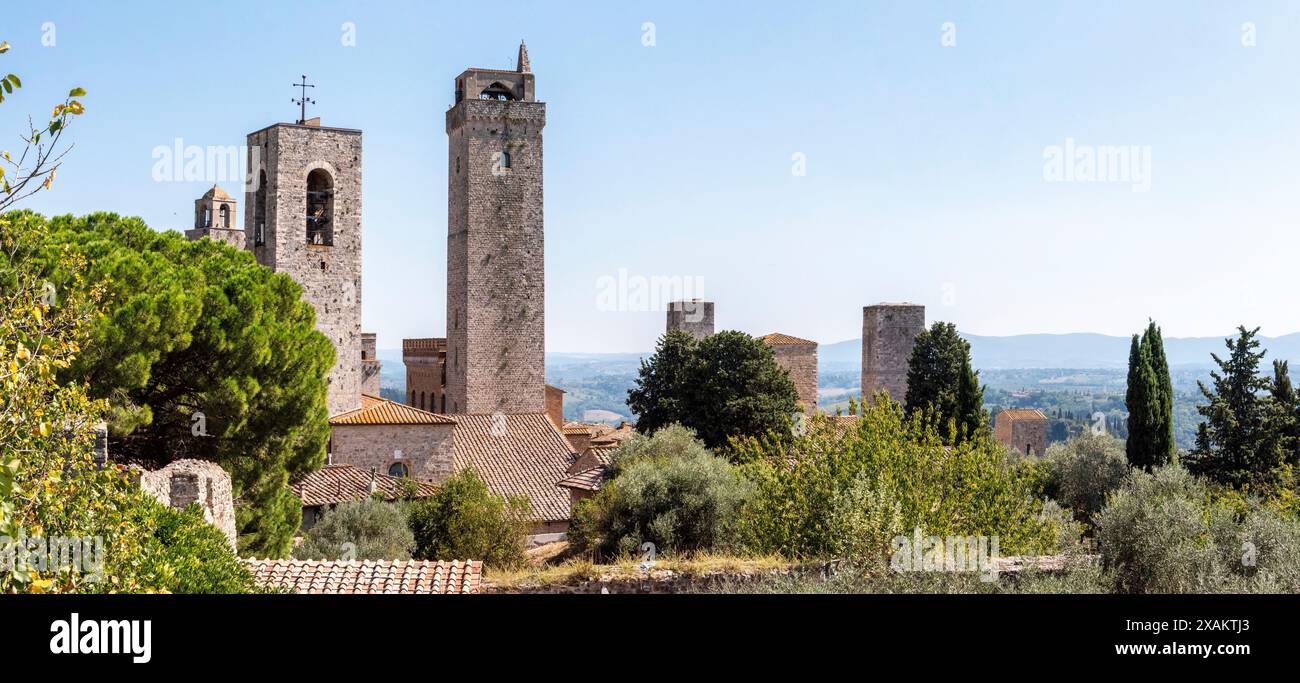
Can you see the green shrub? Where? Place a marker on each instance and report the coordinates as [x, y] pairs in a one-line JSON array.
[[361, 530], [466, 521], [183, 553], [1166, 532], [834, 494], [667, 489], [1082, 471]]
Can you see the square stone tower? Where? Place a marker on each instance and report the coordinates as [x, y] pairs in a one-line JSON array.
[[303, 217], [799, 358], [495, 246], [426, 373], [1023, 430], [888, 333], [693, 316]]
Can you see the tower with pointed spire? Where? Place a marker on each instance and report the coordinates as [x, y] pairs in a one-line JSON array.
[[495, 245]]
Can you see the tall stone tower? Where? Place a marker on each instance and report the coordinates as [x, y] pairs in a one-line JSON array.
[[495, 316], [888, 334], [303, 217], [693, 316], [214, 218]]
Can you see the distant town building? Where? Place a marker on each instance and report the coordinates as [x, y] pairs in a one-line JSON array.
[[370, 365], [1023, 430]]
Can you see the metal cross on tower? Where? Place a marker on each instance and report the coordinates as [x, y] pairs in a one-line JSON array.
[[304, 101]]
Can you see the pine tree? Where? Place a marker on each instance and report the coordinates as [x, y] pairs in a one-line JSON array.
[[1239, 443], [1286, 411]]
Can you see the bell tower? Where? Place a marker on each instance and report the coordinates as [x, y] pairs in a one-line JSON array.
[[495, 266], [303, 218]]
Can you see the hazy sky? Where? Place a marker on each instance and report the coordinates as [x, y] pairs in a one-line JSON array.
[[924, 131]]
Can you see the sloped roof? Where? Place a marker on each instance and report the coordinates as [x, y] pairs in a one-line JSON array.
[[406, 577], [341, 483], [1022, 414], [381, 411], [216, 193], [776, 338], [590, 479], [516, 455]]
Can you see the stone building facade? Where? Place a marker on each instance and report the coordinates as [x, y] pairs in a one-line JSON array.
[[495, 245], [215, 218], [194, 481], [370, 365], [395, 440], [693, 316], [888, 334], [1023, 430], [426, 373], [799, 358], [303, 218]]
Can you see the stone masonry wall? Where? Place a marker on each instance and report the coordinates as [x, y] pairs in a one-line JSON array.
[[330, 276], [424, 359], [888, 334], [195, 481], [495, 258], [800, 360], [370, 365], [426, 449], [694, 317]]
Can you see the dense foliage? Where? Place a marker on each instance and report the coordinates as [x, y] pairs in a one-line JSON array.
[[725, 385], [1081, 472], [201, 353], [667, 489], [942, 385], [840, 492], [361, 530], [466, 521], [1167, 532]]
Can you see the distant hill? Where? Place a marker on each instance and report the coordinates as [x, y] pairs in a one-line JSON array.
[[1081, 350]]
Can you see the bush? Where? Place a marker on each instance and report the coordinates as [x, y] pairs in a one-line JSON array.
[[362, 530], [1082, 471], [834, 494], [186, 554], [667, 489], [466, 521], [1167, 532]]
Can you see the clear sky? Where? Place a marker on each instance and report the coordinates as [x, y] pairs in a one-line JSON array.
[[924, 160]]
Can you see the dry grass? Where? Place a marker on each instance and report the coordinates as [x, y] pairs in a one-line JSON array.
[[553, 564]]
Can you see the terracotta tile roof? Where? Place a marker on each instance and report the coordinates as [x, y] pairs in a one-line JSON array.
[[381, 411], [216, 193], [594, 456], [590, 479], [783, 339], [409, 577], [1022, 414], [516, 455], [341, 483], [576, 429]]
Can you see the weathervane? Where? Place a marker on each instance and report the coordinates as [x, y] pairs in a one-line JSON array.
[[302, 103]]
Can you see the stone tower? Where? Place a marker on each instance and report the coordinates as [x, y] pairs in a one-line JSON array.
[[888, 333], [214, 218], [694, 317], [495, 316], [426, 373], [303, 218], [799, 359], [370, 365]]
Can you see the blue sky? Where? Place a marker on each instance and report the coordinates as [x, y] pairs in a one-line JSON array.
[[924, 163]]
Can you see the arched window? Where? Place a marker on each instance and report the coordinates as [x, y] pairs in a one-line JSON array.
[[496, 91], [320, 208], [207, 217], [412, 403], [421, 400], [259, 211], [225, 216], [397, 469]]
